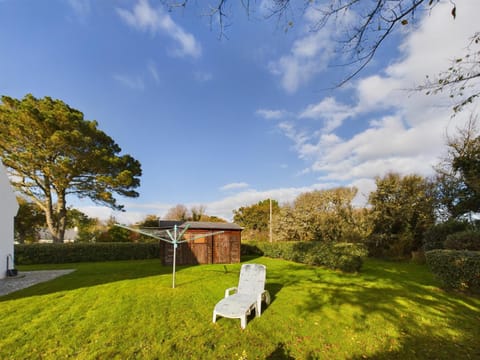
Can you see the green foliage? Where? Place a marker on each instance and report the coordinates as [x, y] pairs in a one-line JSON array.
[[149, 221], [84, 252], [457, 269], [465, 240], [28, 221], [402, 211], [50, 152], [255, 217], [341, 256], [322, 215], [458, 177], [435, 236], [115, 234], [88, 228]]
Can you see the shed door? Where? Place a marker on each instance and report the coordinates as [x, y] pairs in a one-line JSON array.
[[221, 249], [200, 252]]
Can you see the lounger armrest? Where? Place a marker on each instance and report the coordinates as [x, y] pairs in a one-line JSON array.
[[227, 291]]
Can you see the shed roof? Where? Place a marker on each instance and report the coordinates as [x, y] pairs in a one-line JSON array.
[[201, 225], [206, 225], [168, 224]]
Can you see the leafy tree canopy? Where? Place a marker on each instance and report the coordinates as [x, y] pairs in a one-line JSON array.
[[51, 151], [458, 176], [28, 221], [255, 217], [320, 215], [402, 211]]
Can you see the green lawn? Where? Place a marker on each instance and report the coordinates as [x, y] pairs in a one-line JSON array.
[[128, 310]]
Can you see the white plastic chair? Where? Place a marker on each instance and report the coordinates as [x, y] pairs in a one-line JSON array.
[[248, 295]]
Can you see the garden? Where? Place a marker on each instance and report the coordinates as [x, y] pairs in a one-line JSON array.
[[128, 310]]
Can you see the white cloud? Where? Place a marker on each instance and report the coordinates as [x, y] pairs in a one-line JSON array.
[[304, 61], [234, 186], [144, 17], [223, 207], [309, 55], [330, 111], [384, 127], [271, 114], [80, 7], [132, 82]]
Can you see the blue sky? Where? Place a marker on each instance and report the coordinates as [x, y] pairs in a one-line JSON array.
[[225, 123]]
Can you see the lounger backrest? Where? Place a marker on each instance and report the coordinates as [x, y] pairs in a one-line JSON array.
[[252, 279]]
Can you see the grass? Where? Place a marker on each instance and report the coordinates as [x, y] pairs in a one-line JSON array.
[[128, 310]]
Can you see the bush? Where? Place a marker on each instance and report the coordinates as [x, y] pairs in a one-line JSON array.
[[465, 240], [84, 252], [435, 237], [342, 256], [249, 249], [457, 269]]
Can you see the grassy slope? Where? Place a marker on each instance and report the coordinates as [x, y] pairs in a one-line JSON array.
[[129, 310]]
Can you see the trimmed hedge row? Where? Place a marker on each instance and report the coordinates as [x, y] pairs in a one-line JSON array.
[[457, 269], [84, 252], [464, 240], [341, 256]]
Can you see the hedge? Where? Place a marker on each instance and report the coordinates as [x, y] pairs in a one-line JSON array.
[[341, 256], [84, 252], [464, 240], [456, 269], [437, 234]]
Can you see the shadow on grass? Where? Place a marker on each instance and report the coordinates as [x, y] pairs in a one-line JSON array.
[[280, 353], [402, 298], [425, 347], [92, 274]]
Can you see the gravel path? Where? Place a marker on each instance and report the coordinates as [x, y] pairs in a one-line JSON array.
[[25, 279]]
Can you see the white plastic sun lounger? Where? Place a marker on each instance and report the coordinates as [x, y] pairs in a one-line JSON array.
[[248, 295]]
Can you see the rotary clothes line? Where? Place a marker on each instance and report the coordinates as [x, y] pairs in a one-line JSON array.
[[175, 236]]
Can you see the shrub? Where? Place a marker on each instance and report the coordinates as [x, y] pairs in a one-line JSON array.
[[249, 249], [341, 256], [465, 240], [435, 237], [457, 269], [84, 252]]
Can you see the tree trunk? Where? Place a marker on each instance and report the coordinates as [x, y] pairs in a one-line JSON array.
[[56, 218], [62, 217]]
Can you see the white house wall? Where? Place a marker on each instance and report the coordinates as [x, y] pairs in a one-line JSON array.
[[8, 210]]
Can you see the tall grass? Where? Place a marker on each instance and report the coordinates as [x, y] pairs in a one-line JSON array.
[[128, 310]]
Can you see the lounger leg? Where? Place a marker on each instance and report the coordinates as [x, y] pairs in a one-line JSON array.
[[243, 321], [214, 316], [267, 297]]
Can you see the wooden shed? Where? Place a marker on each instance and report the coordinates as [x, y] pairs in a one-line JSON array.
[[223, 248]]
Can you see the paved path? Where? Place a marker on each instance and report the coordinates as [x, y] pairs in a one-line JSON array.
[[25, 279]]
